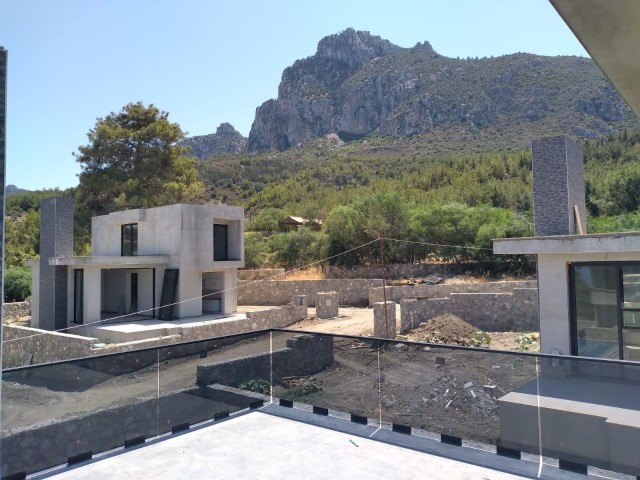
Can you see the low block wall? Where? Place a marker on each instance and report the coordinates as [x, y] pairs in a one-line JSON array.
[[397, 293], [27, 346], [16, 309], [516, 311], [271, 292], [303, 355]]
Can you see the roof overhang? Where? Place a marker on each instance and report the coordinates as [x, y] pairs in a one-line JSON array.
[[143, 261], [594, 243], [610, 31]]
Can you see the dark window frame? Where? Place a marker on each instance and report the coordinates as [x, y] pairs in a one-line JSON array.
[[130, 230], [573, 326]]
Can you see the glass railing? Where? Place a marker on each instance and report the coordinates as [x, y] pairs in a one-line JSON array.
[[573, 413], [66, 412]]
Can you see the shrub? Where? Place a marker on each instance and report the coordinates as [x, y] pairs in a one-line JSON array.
[[17, 284], [256, 385]]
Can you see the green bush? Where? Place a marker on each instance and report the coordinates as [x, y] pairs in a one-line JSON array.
[[256, 385], [255, 251], [17, 284]]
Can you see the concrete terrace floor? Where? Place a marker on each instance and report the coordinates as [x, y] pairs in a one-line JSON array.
[[262, 446]]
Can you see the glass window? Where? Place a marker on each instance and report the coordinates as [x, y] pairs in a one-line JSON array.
[[220, 243], [129, 240], [596, 310]]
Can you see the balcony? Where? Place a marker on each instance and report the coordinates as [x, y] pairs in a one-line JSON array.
[[278, 404]]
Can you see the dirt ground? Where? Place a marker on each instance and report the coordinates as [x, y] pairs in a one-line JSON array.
[[434, 388], [359, 322]]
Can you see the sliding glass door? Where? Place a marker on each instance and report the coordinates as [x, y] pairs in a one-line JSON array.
[[606, 310]]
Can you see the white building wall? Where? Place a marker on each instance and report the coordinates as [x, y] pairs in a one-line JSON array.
[[185, 234], [553, 295]]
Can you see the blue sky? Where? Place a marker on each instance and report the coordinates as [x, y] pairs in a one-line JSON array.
[[209, 61]]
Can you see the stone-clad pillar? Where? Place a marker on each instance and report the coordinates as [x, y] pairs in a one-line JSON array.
[[384, 326], [558, 186], [327, 305], [56, 239]]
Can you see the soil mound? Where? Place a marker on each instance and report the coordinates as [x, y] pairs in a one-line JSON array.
[[447, 328]]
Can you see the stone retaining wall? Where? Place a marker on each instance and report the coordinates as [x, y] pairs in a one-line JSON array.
[[303, 355], [271, 292], [46, 347], [23, 449], [516, 311], [16, 309], [397, 293], [27, 346]]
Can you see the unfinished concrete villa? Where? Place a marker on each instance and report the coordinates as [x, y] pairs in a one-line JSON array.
[[167, 262]]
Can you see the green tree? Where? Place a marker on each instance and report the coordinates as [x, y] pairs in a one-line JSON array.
[[295, 249], [344, 230], [133, 160], [22, 238], [266, 220], [255, 251], [17, 284]]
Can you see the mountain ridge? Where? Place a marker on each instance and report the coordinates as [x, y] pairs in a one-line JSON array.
[[358, 84]]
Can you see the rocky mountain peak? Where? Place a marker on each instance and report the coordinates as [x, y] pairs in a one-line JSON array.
[[227, 129], [358, 84], [352, 47], [226, 140]]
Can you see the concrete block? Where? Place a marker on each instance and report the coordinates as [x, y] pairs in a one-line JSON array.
[[384, 325], [327, 305]]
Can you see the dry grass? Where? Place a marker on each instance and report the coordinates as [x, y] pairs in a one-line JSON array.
[[312, 273]]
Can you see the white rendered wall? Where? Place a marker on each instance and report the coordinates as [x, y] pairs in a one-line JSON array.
[[553, 295]]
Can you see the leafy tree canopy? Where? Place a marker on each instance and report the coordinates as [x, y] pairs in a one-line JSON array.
[[133, 160]]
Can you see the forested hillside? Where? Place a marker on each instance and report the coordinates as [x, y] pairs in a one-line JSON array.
[[383, 186]]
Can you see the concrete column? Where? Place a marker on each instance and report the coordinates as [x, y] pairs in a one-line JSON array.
[[384, 328], [327, 305], [92, 290], [230, 294], [145, 290]]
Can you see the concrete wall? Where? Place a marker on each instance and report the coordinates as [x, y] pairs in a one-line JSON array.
[[517, 311], [553, 288], [27, 346], [16, 309], [397, 293], [273, 292], [185, 234]]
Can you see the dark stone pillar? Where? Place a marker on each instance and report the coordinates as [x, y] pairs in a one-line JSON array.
[[558, 185], [56, 239]]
